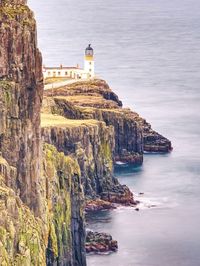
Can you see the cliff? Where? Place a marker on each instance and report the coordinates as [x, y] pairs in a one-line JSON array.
[[65, 212], [95, 100], [92, 143], [41, 195], [86, 120], [56, 237], [48, 170], [21, 87]]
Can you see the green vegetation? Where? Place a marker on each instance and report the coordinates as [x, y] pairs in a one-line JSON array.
[[12, 11], [106, 154], [21, 240], [50, 120], [30, 242], [94, 83], [53, 239], [60, 171], [83, 99], [6, 87], [6, 84]]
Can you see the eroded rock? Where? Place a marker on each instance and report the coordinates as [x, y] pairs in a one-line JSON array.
[[100, 243]]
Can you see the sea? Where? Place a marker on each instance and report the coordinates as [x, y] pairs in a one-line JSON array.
[[149, 53]]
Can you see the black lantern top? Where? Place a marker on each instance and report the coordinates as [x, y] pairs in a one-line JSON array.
[[89, 51]]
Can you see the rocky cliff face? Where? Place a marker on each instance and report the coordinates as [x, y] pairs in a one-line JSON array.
[[58, 236], [41, 196], [21, 90], [95, 100], [43, 184], [22, 240], [65, 201], [92, 143], [86, 120]]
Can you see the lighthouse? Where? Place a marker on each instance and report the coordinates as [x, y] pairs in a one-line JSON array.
[[89, 61]]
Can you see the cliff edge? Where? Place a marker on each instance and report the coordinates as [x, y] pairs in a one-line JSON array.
[[41, 195], [95, 100], [86, 119]]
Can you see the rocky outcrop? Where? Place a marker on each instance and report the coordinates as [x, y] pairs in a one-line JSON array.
[[102, 95], [94, 100], [60, 237], [21, 234], [65, 201], [21, 89], [41, 195], [92, 143], [86, 119], [100, 243], [22, 240], [98, 205]]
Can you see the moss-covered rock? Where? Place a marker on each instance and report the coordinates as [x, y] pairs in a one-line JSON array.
[[65, 198], [21, 91], [41, 199], [95, 100], [21, 241]]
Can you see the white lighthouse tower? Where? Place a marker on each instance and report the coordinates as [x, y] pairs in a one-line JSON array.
[[89, 61]]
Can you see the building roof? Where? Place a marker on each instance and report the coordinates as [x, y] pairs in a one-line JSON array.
[[60, 67]]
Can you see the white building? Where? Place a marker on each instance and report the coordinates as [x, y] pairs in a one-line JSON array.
[[74, 72]]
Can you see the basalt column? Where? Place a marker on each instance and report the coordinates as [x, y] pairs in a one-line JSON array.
[[21, 90]]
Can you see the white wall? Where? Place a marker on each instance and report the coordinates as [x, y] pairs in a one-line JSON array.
[[49, 73], [89, 67], [65, 73]]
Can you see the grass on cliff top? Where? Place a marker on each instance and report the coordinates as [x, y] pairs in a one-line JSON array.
[[50, 120], [55, 80], [89, 99], [89, 85], [92, 82], [93, 100]]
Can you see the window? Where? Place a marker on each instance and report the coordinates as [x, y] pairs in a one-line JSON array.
[[59, 73], [90, 69], [49, 73], [66, 73], [90, 63]]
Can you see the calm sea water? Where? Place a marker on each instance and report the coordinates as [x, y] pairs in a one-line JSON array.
[[149, 52]]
